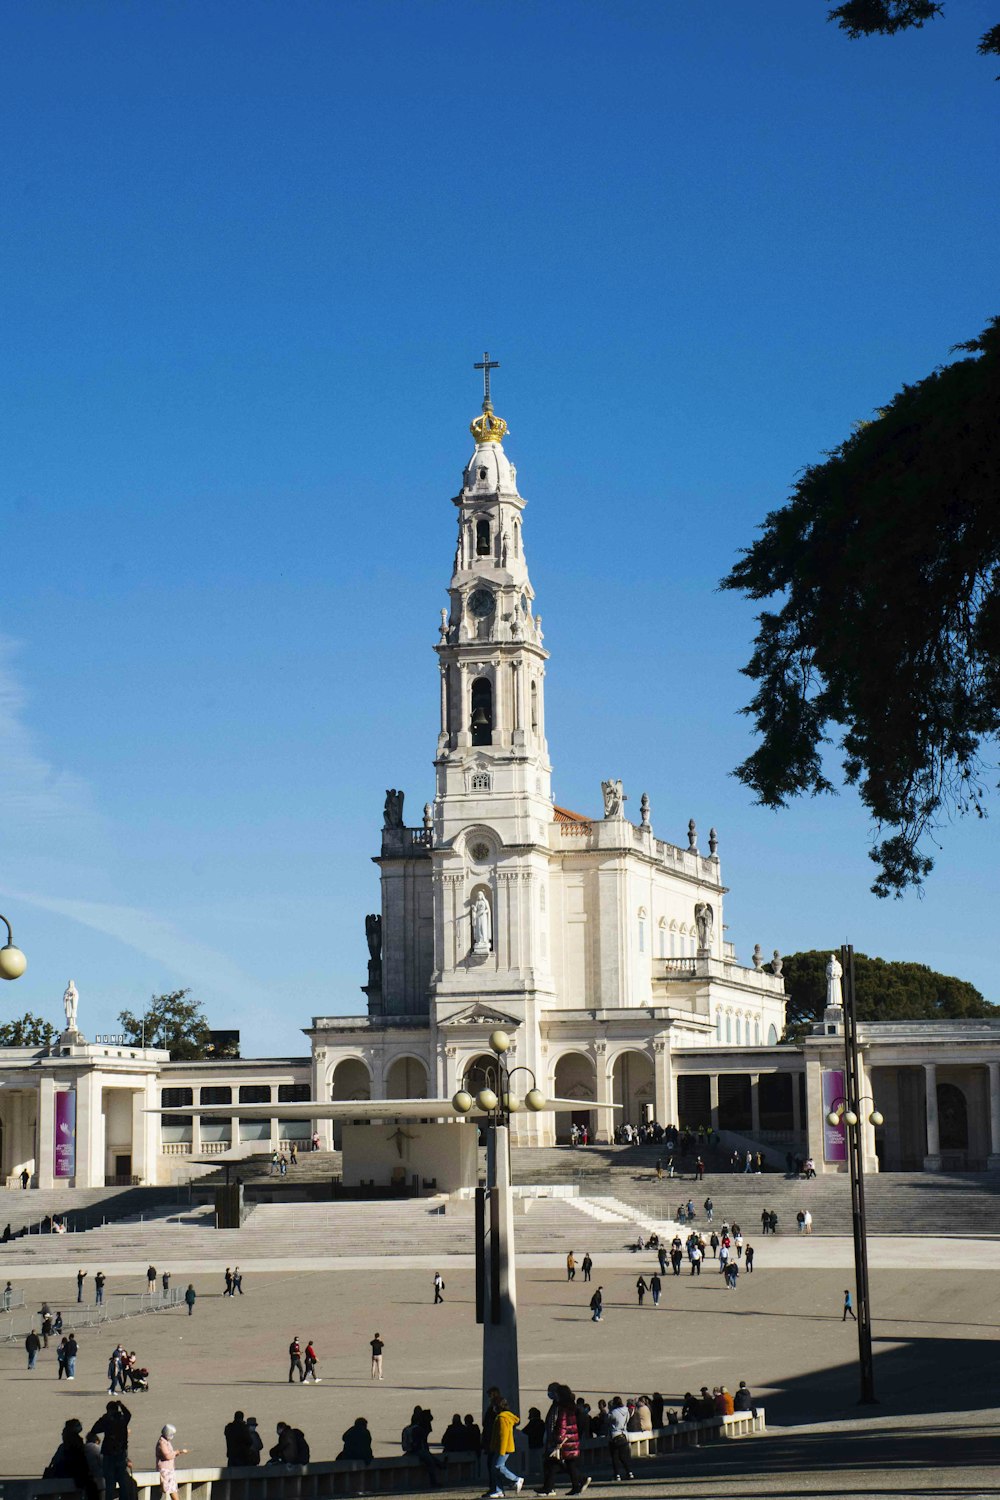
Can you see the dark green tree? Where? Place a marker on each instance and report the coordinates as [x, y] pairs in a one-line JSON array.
[[28, 1031], [883, 991], [888, 559], [885, 17], [173, 1022]]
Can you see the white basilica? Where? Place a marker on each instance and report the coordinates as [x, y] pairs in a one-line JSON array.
[[596, 944]]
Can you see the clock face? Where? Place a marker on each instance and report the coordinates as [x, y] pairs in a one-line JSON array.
[[481, 602]]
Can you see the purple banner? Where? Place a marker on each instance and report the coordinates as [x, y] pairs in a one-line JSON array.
[[834, 1139], [65, 1136]]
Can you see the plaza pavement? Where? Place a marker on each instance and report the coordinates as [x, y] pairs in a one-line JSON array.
[[937, 1343]]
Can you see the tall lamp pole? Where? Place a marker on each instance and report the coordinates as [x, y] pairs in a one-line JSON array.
[[496, 1281], [849, 1110]]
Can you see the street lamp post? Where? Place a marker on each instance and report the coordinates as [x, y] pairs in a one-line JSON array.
[[12, 961], [496, 1279], [849, 1110]]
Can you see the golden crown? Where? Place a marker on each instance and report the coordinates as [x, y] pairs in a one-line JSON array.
[[488, 428]]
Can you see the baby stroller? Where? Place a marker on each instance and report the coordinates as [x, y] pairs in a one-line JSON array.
[[139, 1378]]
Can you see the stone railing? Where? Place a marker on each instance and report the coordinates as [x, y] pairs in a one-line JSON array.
[[316, 1481]]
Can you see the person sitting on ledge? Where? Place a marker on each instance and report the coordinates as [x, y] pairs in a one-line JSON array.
[[357, 1442], [743, 1400]]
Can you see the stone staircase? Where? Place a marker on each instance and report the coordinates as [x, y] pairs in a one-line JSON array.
[[79, 1208], [897, 1202]]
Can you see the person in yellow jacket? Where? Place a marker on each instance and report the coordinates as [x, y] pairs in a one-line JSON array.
[[501, 1445]]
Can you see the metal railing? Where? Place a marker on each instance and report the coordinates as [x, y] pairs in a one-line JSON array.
[[18, 1323]]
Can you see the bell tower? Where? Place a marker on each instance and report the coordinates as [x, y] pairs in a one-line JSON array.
[[492, 760]]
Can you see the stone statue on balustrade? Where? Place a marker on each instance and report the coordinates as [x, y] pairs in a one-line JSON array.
[[71, 999], [834, 991], [614, 799], [393, 811], [704, 918]]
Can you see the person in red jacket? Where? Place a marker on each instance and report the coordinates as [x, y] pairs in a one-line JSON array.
[[312, 1360], [562, 1444]]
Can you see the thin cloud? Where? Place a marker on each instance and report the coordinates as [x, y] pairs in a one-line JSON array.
[[36, 794]]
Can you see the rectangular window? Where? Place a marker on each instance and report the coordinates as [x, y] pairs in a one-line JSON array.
[[252, 1093], [176, 1098], [294, 1093], [216, 1095]]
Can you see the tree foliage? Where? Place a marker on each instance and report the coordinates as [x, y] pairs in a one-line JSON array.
[[883, 991], [888, 557], [28, 1031], [885, 17], [172, 1022]]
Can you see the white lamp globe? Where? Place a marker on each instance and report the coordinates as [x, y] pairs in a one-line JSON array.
[[12, 962], [535, 1100], [487, 1101], [851, 1117], [462, 1102], [833, 1117], [877, 1117], [512, 1103], [499, 1041]]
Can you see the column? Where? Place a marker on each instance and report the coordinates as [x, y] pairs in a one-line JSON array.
[[994, 1076], [754, 1104], [796, 1112], [45, 1163], [713, 1100], [607, 1119], [662, 1081], [463, 734], [866, 1104], [90, 1164], [932, 1161], [444, 700]]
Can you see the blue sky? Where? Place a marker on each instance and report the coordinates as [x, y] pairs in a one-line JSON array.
[[249, 254]]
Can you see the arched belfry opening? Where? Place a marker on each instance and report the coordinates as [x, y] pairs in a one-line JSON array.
[[483, 539], [482, 712]]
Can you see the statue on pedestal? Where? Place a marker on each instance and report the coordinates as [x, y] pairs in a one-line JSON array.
[[704, 918], [393, 811], [71, 999], [482, 924], [614, 799]]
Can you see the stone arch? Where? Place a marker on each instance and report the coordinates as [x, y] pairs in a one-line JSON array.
[[406, 1078], [953, 1117], [739, 1028], [351, 1079], [632, 1085], [718, 1025], [772, 1035], [756, 1033], [479, 1072], [574, 1076], [729, 1028]]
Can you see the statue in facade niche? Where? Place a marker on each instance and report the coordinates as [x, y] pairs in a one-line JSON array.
[[481, 924], [614, 799], [373, 933], [704, 918], [71, 999], [393, 811]]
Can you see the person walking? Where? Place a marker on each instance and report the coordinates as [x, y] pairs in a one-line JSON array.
[[848, 1308], [500, 1449], [661, 1256], [765, 1220], [699, 1169], [32, 1344], [189, 1297], [229, 1283], [45, 1313], [696, 1258], [655, 1287], [312, 1360], [800, 1220], [748, 1259], [597, 1305], [8, 1296], [438, 1287], [619, 1448], [166, 1456], [723, 1257], [80, 1278], [237, 1281], [587, 1266], [150, 1278], [738, 1242], [709, 1209], [25, 1178], [99, 1281], [377, 1345], [571, 1267], [641, 1289], [565, 1446], [113, 1427], [295, 1361], [807, 1222]]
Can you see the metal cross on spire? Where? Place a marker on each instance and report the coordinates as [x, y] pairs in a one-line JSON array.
[[486, 365]]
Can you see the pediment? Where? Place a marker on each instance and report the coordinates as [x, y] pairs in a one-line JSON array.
[[479, 1015]]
